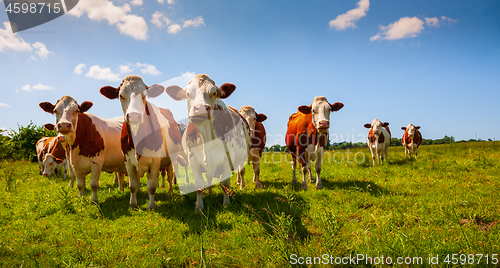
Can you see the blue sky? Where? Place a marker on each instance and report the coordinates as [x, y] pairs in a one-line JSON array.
[[435, 64]]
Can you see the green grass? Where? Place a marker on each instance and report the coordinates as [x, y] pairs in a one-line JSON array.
[[446, 202]]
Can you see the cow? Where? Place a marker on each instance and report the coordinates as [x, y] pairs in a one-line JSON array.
[[42, 146], [378, 140], [150, 137], [217, 139], [411, 139], [307, 136], [94, 142], [55, 157], [258, 134]]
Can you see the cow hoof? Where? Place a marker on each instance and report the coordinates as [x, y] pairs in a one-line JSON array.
[[319, 186], [258, 186], [197, 209], [294, 181], [304, 186], [163, 186], [151, 207]]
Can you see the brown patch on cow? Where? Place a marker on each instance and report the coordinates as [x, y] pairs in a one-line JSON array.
[[222, 122], [58, 151], [150, 132], [418, 138], [192, 132], [301, 133], [381, 138], [127, 143], [259, 138], [87, 137], [173, 129], [388, 131], [371, 136]]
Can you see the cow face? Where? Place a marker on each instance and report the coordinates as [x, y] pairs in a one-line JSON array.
[[132, 93], [410, 129], [320, 110], [66, 111], [202, 97], [50, 164], [248, 112], [376, 127]]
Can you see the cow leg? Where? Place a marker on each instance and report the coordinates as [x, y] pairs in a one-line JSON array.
[[319, 160], [133, 182], [65, 168], [386, 149], [163, 173], [372, 150], [226, 186], [256, 174], [186, 170], [170, 178], [309, 170], [71, 175], [294, 168], [199, 184], [94, 180], [241, 176], [153, 182], [80, 182], [120, 176], [176, 169], [199, 201], [416, 151], [304, 160]]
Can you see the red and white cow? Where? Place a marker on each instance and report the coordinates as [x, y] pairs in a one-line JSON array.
[[411, 139], [55, 158], [258, 134], [217, 139], [42, 147], [378, 140], [307, 136], [94, 143], [150, 137]]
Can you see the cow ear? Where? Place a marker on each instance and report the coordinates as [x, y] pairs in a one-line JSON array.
[[305, 109], [403, 128], [336, 106], [226, 90], [47, 106], [261, 117], [49, 126], [417, 127], [85, 106], [155, 90], [109, 92], [176, 92], [385, 124], [368, 125]]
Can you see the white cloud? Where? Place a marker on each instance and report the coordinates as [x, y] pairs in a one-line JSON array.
[[170, 2], [449, 20], [348, 19], [99, 73], [41, 50], [4, 105], [128, 24], [196, 22], [125, 69], [79, 69], [174, 28], [9, 40], [38, 87], [160, 20], [432, 22], [405, 27], [148, 69], [136, 2]]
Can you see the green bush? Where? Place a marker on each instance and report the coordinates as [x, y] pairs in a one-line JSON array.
[[21, 144]]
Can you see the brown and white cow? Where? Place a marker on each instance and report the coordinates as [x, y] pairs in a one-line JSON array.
[[378, 140], [307, 136], [42, 147], [217, 139], [55, 158], [94, 143], [411, 139], [150, 137], [258, 134]]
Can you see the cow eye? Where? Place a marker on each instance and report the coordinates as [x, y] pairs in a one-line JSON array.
[[121, 97], [315, 112]]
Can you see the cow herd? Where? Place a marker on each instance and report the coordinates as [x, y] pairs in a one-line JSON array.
[[218, 139]]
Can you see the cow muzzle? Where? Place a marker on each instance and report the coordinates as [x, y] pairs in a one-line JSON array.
[[134, 118], [64, 128], [323, 125], [199, 114]]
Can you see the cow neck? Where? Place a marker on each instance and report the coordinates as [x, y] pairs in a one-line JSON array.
[[87, 138]]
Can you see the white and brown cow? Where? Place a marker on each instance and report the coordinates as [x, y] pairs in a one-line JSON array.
[[307, 136], [411, 139], [378, 140], [217, 139], [94, 143], [55, 158], [258, 134], [42, 147], [150, 137]]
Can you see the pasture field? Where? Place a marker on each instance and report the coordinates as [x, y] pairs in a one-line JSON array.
[[446, 202]]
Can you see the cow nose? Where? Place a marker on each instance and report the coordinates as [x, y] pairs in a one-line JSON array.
[[324, 124], [375, 132], [201, 109], [64, 127], [134, 118]]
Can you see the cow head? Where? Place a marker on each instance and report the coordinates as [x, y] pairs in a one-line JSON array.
[[202, 96], [66, 111], [132, 93], [410, 129], [50, 163], [376, 127], [248, 112], [320, 110]]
